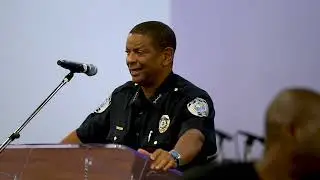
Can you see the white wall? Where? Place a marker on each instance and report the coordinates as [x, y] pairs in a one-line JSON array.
[[34, 34], [244, 52]]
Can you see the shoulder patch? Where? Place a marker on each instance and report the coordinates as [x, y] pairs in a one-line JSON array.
[[198, 107], [103, 106]]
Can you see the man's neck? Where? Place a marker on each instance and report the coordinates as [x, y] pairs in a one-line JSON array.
[[150, 89], [275, 165]]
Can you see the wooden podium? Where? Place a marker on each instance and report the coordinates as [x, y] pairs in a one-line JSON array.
[[80, 162]]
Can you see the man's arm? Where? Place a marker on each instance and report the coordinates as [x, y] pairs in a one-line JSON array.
[[189, 145], [71, 138], [94, 129]]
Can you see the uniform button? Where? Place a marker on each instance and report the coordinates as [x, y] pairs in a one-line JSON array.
[[137, 134], [155, 142], [140, 113], [115, 138]]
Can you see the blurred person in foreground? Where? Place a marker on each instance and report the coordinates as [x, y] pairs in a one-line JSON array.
[[292, 150]]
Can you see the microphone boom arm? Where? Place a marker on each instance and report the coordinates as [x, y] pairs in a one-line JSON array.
[[16, 134]]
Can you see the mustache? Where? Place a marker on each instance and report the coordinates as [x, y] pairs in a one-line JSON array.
[[134, 66]]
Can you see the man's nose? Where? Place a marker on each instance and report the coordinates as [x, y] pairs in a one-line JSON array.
[[131, 58]]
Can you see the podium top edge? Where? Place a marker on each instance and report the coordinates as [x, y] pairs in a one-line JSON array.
[[83, 146], [68, 146]]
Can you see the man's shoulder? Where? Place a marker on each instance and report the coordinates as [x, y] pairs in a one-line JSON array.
[[190, 89], [129, 86]]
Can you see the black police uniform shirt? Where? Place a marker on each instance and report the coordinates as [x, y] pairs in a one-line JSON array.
[[127, 117]]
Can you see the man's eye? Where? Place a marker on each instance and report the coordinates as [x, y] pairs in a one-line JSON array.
[[140, 53]]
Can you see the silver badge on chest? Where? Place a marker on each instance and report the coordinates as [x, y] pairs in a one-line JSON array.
[[164, 123]]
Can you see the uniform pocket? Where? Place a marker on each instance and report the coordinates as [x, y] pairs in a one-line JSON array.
[[116, 136]]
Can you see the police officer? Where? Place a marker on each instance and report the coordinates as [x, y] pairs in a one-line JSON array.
[[158, 113]]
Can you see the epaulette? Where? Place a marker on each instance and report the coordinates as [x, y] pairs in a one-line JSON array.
[[189, 89], [126, 86]]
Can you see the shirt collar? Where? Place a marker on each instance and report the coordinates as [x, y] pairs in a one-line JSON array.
[[167, 85]]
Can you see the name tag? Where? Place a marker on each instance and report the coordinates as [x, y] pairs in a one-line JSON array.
[[119, 128]]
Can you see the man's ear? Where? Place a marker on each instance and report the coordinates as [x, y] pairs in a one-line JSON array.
[[168, 54], [294, 132]]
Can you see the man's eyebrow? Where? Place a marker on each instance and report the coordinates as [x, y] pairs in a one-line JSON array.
[[137, 48]]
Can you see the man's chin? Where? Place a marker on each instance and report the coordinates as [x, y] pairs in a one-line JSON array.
[[137, 80]]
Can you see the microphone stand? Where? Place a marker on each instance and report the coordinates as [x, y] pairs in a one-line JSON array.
[[249, 143], [16, 134], [248, 148], [222, 136]]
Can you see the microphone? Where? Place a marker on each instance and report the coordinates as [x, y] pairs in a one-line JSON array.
[[75, 67], [251, 137], [223, 135]]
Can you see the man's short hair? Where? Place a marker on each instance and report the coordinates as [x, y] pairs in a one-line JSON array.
[[162, 35], [296, 106]]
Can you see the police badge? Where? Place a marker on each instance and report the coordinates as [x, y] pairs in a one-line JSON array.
[[164, 123], [198, 107], [106, 103]]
